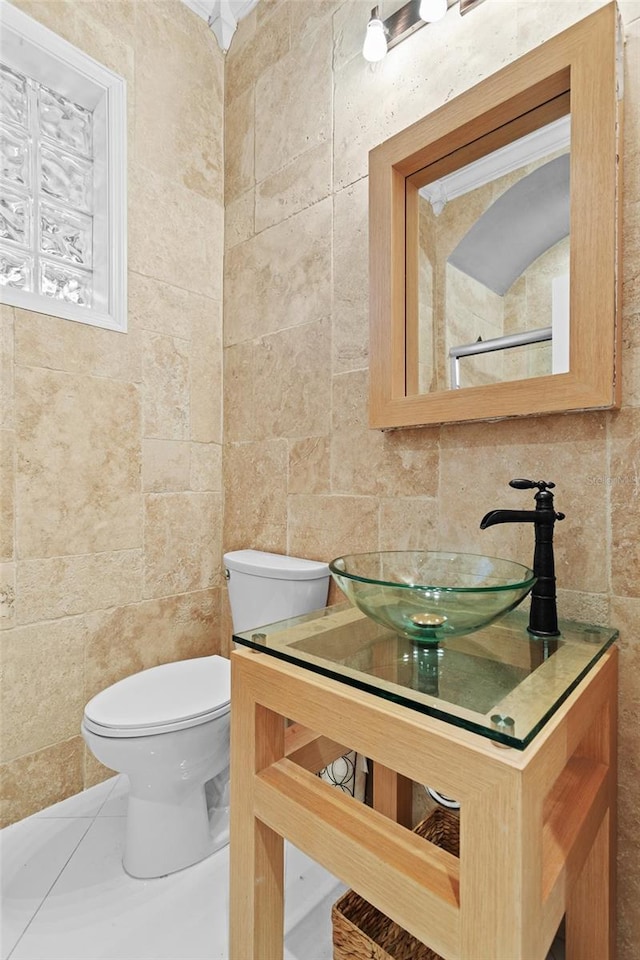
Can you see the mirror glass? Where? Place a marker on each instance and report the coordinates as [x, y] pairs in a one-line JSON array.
[[493, 266]]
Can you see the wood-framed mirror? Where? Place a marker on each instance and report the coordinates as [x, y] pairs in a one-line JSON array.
[[476, 315]]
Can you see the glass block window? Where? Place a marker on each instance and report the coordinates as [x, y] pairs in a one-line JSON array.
[[62, 177]]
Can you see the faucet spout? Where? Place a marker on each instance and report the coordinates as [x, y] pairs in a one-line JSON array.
[[508, 516], [543, 616]]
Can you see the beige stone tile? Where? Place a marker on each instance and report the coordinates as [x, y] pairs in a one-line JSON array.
[[162, 308], [350, 306], [239, 219], [301, 183], [124, 640], [630, 11], [255, 484], [6, 366], [301, 80], [349, 28], [206, 467], [182, 542], [64, 586], [409, 523], [239, 146], [226, 625], [59, 17], [543, 19], [94, 772], [478, 460], [631, 133], [103, 34], [7, 595], [309, 465], [358, 124], [272, 402], [238, 392], [53, 774], [165, 466], [181, 71], [584, 607], [42, 700], [166, 387], [324, 527], [631, 376], [205, 369], [254, 51], [630, 332], [631, 258], [281, 277], [309, 18], [267, 8], [78, 480], [630, 350], [290, 404], [188, 253], [369, 462], [117, 16], [57, 344], [620, 482], [7, 493], [625, 614]]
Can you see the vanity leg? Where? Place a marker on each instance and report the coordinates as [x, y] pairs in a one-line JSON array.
[[392, 794], [256, 890], [590, 925], [501, 871], [591, 902]]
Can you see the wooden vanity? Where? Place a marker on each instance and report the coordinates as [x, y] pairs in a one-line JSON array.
[[521, 732]]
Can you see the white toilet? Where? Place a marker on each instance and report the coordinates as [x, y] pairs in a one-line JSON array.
[[167, 728]]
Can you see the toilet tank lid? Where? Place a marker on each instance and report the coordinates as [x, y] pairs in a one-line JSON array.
[[275, 565]]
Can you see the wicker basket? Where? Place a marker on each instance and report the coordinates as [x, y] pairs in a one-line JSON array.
[[360, 932]]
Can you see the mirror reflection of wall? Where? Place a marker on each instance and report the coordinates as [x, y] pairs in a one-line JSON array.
[[494, 266]]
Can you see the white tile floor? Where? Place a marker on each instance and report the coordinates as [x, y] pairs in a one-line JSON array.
[[65, 895]]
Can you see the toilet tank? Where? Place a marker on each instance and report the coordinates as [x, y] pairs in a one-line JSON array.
[[267, 587]]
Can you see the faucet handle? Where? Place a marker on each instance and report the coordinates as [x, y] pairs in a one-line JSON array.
[[531, 484]]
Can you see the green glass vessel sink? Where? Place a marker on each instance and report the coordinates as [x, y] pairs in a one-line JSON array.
[[430, 596]]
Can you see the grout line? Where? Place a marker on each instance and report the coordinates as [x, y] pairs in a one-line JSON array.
[[91, 821], [116, 781]]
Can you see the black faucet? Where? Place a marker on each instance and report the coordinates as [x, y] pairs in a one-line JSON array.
[[543, 616]]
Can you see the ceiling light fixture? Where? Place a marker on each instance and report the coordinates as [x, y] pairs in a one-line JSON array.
[[382, 35]]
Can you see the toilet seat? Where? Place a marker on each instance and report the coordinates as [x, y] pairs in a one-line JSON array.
[[172, 696]]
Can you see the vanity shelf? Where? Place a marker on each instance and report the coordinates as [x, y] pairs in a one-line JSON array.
[[528, 750]]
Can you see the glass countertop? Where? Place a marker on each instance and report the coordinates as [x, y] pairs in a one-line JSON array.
[[498, 682]]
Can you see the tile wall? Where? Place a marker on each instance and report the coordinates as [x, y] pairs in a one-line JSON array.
[[302, 472], [112, 443], [112, 470]]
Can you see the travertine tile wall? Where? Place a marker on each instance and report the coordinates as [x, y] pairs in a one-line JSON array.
[[303, 473], [111, 444]]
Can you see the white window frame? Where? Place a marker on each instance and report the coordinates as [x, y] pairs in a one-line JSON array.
[[32, 49]]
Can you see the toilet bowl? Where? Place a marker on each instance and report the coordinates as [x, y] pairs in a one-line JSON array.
[[167, 728]]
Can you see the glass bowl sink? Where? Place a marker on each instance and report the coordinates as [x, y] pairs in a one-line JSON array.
[[429, 596]]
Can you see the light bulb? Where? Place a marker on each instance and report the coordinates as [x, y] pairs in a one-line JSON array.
[[375, 42], [432, 10]]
